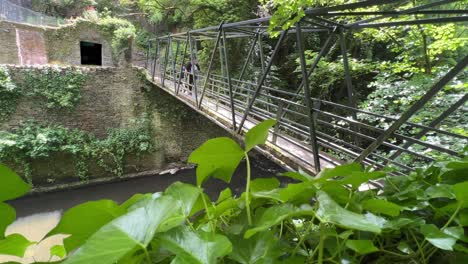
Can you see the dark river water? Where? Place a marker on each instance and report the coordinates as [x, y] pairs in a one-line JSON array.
[[122, 190]]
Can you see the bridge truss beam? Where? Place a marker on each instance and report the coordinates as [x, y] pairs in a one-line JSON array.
[[306, 124]]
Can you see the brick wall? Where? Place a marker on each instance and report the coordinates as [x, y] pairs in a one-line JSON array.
[[62, 43], [112, 98]]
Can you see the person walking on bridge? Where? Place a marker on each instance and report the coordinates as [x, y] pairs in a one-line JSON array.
[[191, 72]]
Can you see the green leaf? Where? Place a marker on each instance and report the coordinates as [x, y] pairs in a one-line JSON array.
[[342, 170], [440, 191], [12, 185], [195, 247], [361, 246], [58, 250], [133, 230], [7, 216], [438, 238], [134, 200], [264, 184], [298, 176], [258, 134], [275, 215], [225, 194], [329, 211], [84, 220], [457, 232], [185, 195], [381, 207], [261, 248], [14, 245], [217, 157], [357, 178], [404, 247], [461, 193]]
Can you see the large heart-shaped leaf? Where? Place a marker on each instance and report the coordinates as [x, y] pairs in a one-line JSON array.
[[261, 248], [361, 246], [329, 211], [382, 207], [84, 220], [195, 247], [133, 230], [12, 186], [438, 238], [218, 158], [7, 216], [357, 178], [258, 135], [185, 195], [14, 245]]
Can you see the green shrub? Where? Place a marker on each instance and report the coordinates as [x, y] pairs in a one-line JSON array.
[[417, 218], [32, 141]]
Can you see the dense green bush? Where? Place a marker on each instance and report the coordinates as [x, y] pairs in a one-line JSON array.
[[33, 141], [417, 218]]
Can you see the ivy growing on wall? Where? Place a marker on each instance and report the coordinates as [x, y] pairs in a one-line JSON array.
[[32, 141], [60, 88], [8, 94]]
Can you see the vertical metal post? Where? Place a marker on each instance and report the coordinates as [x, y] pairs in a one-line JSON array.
[[192, 71], [349, 84], [231, 95], [279, 115], [148, 51], [260, 50], [155, 59], [174, 62], [166, 59], [208, 73], [307, 99], [249, 55], [182, 65], [415, 107], [262, 80]]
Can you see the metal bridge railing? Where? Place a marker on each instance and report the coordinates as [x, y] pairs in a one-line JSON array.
[[18, 14], [310, 130]]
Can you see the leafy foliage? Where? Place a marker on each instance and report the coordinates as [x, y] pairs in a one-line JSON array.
[[9, 93], [33, 141], [61, 88], [416, 218]]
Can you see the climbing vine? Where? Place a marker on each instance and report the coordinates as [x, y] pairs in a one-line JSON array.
[[60, 88], [8, 93], [32, 141]]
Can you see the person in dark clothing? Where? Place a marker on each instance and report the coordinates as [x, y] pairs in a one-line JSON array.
[[190, 73]]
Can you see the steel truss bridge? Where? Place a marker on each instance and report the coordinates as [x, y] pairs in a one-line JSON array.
[[311, 133]]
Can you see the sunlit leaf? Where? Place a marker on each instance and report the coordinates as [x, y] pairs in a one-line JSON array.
[[258, 134], [7, 216], [12, 186], [84, 220], [185, 195], [14, 245], [218, 158], [58, 250], [440, 191], [264, 184], [342, 170], [438, 238], [195, 247], [329, 211], [381, 207], [133, 230], [461, 193], [260, 248], [297, 176]]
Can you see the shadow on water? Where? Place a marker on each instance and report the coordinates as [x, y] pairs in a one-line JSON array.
[[122, 190]]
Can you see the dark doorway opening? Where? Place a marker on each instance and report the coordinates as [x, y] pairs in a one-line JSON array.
[[91, 53]]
